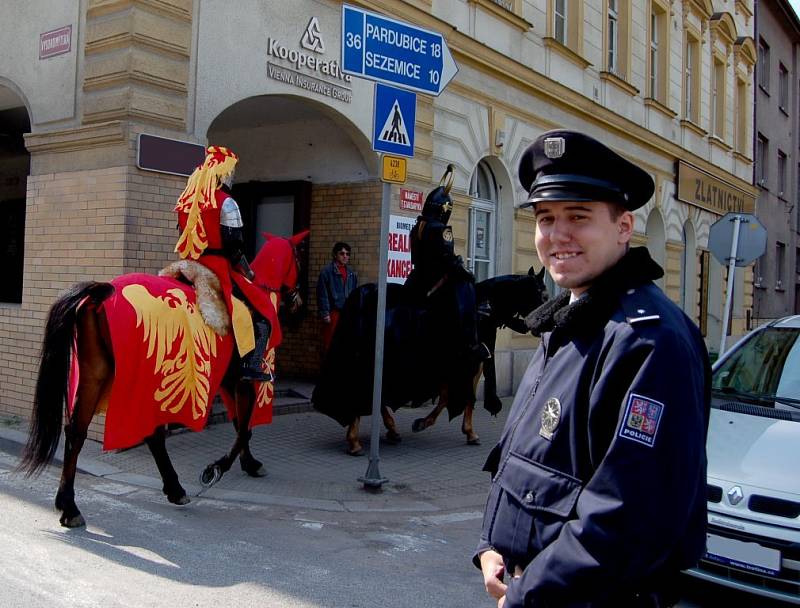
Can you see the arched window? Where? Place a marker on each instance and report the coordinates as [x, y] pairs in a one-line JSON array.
[[481, 237], [14, 170], [656, 240], [688, 270]]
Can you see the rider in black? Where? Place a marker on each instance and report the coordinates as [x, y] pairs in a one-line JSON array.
[[438, 269]]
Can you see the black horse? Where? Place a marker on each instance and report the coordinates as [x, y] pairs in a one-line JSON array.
[[502, 301], [420, 361]]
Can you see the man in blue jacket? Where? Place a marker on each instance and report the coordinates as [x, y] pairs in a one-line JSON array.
[[336, 281], [598, 494]]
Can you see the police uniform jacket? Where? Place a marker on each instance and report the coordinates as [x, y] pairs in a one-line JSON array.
[[598, 489]]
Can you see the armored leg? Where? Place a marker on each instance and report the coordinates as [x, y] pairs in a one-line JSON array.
[[251, 363]]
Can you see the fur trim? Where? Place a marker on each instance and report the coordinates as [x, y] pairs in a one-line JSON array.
[[209, 292], [594, 309]]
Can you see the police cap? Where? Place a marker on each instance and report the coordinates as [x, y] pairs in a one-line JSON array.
[[570, 166]]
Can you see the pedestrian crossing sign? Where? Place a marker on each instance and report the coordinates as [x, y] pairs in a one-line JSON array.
[[393, 120]]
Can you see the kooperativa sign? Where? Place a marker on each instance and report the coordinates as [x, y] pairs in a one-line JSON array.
[[55, 42], [309, 71], [703, 190]]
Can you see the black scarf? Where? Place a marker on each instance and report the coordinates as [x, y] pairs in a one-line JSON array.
[[593, 310]]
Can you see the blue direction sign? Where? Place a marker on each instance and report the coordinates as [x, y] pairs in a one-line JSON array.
[[394, 52], [394, 118]]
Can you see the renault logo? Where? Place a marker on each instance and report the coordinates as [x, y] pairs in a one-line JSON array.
[[312, 38], [735, 495]]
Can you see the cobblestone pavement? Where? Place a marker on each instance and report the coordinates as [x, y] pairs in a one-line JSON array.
[[304, 454]]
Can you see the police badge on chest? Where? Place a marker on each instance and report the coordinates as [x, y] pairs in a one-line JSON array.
[[551, 416]]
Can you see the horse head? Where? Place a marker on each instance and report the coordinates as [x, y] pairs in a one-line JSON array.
[[277, 265], [512, 296]]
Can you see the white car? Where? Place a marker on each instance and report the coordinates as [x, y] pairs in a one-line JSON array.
[[754, 465]]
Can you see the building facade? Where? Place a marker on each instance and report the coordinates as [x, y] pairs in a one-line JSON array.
[[667, 83], [776, 278]]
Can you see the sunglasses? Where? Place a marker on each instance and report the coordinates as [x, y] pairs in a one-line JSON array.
[[343, 253]]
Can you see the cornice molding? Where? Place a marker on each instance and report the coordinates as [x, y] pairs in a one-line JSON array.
[[651, 102], [620, 83], [688, 124], [516, 20], [566, 52], [715, 140], [181, 11], [79, 138]]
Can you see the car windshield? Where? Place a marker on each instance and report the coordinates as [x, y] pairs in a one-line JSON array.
[[764, 370]]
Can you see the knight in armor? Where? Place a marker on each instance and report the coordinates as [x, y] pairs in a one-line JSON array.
[[212, 233], [437, 268]]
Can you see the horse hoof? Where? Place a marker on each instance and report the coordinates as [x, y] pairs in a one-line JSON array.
[[393, 437], [473, 440], [356, 452], [76, 521], [420, 424], [180, 501], [210, 475], [253, 468]]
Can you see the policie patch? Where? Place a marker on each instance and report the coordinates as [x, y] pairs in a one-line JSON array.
[[642, 416]]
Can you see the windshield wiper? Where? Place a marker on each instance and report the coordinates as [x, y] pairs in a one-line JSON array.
[[728, 391], [789, 401]]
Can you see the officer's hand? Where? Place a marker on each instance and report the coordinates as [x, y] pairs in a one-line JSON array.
[[326, 319], [493, 573]]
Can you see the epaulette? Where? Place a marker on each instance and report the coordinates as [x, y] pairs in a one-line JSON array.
[[637, 308]]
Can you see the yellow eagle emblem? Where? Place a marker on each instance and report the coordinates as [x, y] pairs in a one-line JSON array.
[[172, 322]]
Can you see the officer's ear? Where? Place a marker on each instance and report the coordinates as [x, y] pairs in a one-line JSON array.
[[625, 223]]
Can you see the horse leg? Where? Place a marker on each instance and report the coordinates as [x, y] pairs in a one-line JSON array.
[[420, 424], [392, 436], [96, 374], [469, 409], [354, 447], [244, 396], [466, 426], [248, 462], [172, 488]]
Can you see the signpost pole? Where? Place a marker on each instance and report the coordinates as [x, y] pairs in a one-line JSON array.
[[737, 222], [372, 478]]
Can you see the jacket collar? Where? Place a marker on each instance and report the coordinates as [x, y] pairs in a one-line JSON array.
[[594, 309]]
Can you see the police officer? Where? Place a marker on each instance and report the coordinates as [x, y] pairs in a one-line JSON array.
[[438, 269], [598, 494]]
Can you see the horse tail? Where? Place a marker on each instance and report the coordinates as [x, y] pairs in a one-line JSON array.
[[52, 383]]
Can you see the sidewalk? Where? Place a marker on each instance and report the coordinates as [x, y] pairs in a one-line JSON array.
[[304, 454]]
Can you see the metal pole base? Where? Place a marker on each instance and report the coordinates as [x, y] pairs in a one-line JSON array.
[[372, 480]]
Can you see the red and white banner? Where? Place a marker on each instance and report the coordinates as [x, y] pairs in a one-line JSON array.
[[399, 250]]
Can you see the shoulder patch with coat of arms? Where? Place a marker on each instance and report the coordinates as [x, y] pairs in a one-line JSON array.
[[642, 416], [447, 234]]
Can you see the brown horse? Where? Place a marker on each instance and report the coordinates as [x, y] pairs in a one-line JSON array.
[[79, 367]]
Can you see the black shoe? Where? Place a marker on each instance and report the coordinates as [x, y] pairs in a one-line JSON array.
[[250, 374]]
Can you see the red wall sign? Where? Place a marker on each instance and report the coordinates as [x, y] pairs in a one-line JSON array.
[[55, 42], [410, 199]]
